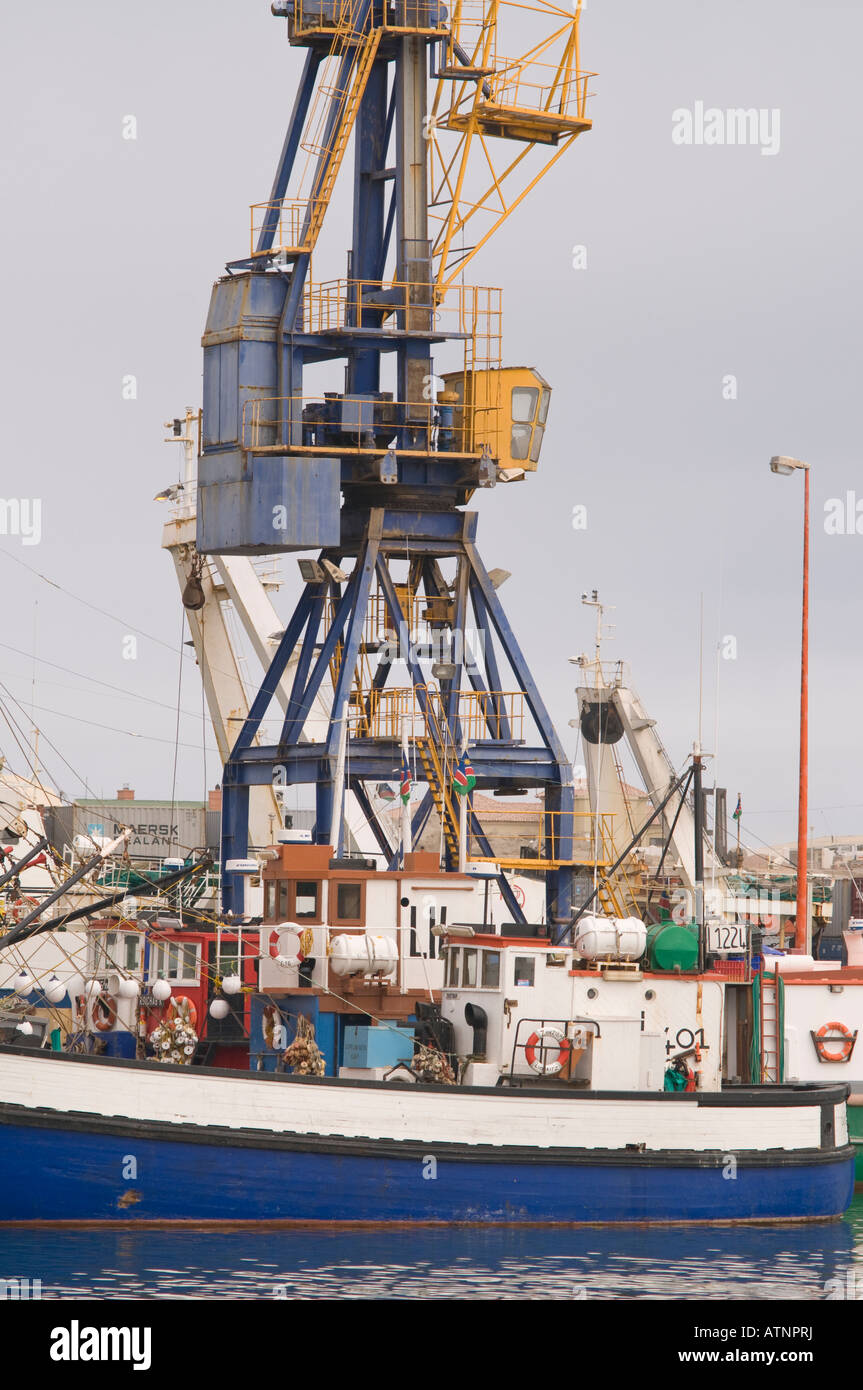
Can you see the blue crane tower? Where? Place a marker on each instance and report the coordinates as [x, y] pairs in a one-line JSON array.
[[448, 137]]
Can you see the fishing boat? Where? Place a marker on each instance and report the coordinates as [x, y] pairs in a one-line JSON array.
[[548, 1086], [374, 1037]]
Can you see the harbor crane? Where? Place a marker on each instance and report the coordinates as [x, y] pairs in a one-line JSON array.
[[453, 116]]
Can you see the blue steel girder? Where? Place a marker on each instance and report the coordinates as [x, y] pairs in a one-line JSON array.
[[370, 145], [343, 342], [492, 670], [451, 689], [303, 704], [283, 653], [560, 792], [366, 565], [374, 760], [496, 720], [412, 533], [235, 838], [517, 662], [304, 661], [399, 622]]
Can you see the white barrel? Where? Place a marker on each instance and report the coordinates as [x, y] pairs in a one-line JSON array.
[[363, 955], [783, 963], [611, 938]]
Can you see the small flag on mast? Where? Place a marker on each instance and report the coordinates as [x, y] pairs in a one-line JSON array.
[[464, 778], [407, 780], [739, 809]]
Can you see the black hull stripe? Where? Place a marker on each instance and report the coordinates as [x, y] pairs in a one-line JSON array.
[[315, 1225]]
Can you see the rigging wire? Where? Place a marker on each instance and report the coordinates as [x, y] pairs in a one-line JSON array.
[[103, 612], [110, 728], [177, 729], [69, 670]]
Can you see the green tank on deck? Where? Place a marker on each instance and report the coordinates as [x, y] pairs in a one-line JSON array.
[[672, 947]]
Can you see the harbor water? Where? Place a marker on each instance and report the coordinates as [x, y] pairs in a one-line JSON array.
[[805, 1262]]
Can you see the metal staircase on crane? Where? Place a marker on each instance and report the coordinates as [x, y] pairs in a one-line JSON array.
[[346, 102]]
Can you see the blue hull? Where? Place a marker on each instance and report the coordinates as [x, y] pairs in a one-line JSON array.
[[49, 1174]]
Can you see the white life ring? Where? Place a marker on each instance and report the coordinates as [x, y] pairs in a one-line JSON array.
[[543, 1065], [290, 958]]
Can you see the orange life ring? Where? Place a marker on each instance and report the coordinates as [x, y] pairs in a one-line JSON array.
[[834, 1032], [537, 1064], [181, 1006], [104, 1012]]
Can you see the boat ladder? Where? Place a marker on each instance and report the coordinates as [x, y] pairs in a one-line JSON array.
[[769, 1001]]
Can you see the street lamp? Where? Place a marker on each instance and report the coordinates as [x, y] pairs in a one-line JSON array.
[[781, 464]]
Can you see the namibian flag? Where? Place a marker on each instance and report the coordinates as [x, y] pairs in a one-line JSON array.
[[464, 778], [407, 781], [739, 811]]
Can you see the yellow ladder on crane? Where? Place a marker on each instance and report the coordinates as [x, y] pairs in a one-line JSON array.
[[439, 758], [433, 768], [350, 98]]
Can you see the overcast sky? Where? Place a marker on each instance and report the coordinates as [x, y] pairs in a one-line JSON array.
[[703, 262]]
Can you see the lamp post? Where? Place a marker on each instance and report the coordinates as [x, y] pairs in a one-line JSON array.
[[780, 464]]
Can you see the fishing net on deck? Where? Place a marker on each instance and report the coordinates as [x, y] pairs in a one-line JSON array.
[[303, 1056]]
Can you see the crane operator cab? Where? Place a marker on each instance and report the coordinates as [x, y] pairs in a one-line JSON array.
[[506, 410]]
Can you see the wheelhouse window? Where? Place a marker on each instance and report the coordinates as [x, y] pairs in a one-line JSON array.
[[452, 968], [270, 899], [176, 961], [491, 969], [524, 968], [290, 900], [468, 977], [117, 950], [349, 903], [472, 968], [306, 900]]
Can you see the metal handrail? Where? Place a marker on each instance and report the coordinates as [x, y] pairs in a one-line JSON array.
[[266, 420]]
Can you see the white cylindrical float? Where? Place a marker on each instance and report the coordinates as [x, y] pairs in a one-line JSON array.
[[363, 955], [610, 938]]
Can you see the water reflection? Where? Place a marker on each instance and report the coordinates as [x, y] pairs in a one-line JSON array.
[[655, 1263]]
